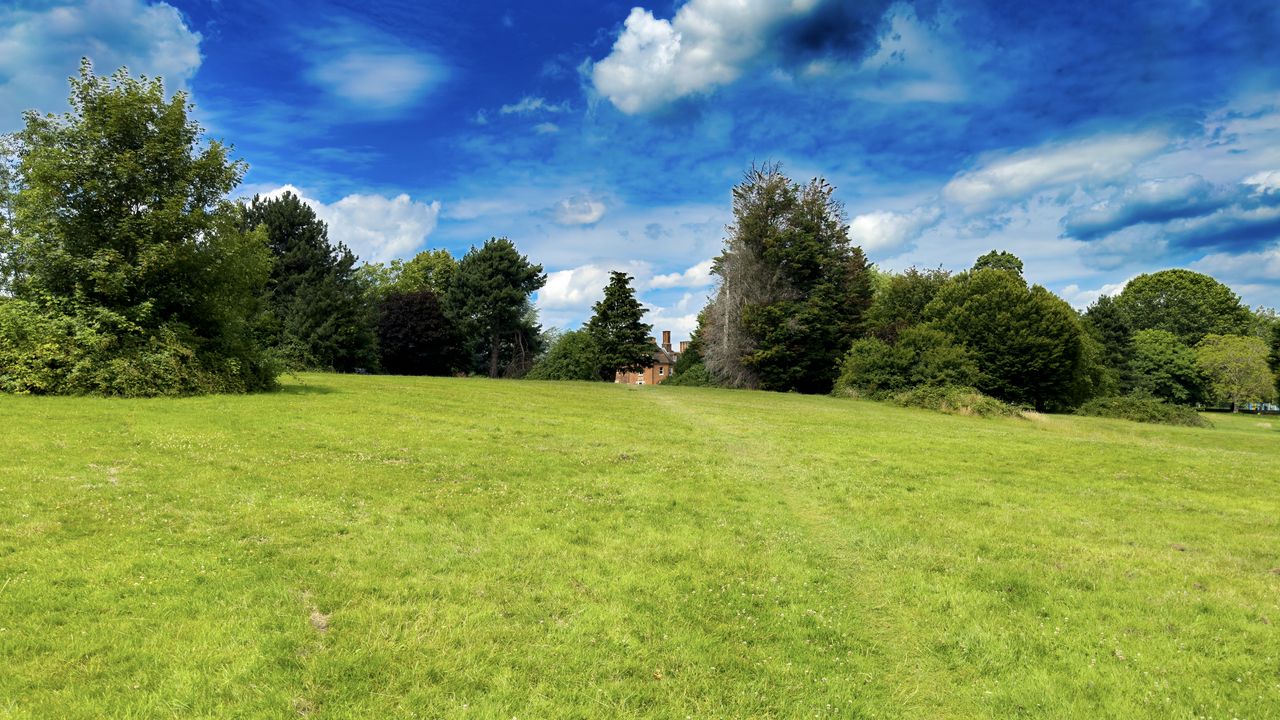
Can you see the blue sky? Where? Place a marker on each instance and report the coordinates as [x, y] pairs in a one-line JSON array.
[[1095, 140]]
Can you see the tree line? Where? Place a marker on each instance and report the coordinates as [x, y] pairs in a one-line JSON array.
[[125, 270]]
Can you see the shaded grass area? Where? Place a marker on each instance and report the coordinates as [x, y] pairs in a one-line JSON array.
[[379, 546]]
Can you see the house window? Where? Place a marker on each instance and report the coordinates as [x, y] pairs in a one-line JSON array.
[[660, 371]]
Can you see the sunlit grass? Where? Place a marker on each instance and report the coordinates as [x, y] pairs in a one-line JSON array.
[[383, 547]]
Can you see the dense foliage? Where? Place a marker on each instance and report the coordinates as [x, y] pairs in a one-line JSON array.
[[573, 355], [318, 311], [1028, 343], [1235, 368], [131, 273], [900, 302], [792, 287], [1188, 304], [1166, 368], [415, 336], [1142, 407], [921, 356], [622, 340], [489, 300]]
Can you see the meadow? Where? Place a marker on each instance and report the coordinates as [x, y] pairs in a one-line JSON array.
[[418, 547]]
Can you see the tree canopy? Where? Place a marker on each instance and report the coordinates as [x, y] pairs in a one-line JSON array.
[[1185, 303], [792, 287], [1165, 367], [1236, 368], [999, 260], [142, 275], [489, 299], [622, 340], [319, 314]]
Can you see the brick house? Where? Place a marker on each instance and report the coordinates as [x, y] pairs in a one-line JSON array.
[[664, 364]]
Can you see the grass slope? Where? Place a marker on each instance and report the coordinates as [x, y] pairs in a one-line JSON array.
[[378, 546]]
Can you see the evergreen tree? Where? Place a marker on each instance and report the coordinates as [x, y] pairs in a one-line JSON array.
[[793, 289], [321, 317], [489, 299], [1109, 327], [623, 342]]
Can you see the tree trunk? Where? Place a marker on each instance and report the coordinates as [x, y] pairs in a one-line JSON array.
[[493, 357]]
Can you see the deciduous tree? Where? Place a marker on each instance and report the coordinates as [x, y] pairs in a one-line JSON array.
[[1185, 303], [1236, 368]]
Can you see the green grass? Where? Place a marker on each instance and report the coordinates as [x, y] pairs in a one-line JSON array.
[[392, 547]]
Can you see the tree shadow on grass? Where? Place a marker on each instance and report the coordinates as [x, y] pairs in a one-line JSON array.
[[299, 388]]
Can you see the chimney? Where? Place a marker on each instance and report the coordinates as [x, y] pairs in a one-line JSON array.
[[684, 345], [666, 340]]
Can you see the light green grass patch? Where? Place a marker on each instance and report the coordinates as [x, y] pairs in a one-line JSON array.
[[381, 546]]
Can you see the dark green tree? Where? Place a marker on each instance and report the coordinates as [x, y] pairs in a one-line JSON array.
[[622, 340], [793, 289], [999, 260], [1185, 303], [1273, 358], [489, 299], [320, 314], [572, 356], [124, 240], [415, 336], [1165, 367], [900, 302], [1109, 327], [1028, 342]]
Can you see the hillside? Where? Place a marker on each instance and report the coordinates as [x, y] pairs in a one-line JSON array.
[[382, 546]]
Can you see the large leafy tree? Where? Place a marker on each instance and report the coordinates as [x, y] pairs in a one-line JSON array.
[[793, 288], [1236, 368], [1185, 303], [622, 339], [415, 335], [572, 356], [1028, 343], [123, 238], [1273, 357], [489, 299], [320, 317], [900, 301], [999, 260], [428, 270], [1165, 367]]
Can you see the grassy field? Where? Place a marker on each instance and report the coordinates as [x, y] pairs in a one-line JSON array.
[[392, 547]]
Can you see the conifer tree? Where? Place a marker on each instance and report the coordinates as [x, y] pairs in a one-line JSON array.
[[623, 342], [489, 299], [320, 317]]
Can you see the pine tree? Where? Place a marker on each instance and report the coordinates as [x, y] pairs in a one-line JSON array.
[[622, 341], [320, 315], [489, 299]]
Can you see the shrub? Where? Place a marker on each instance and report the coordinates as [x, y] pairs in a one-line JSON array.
[[695, 375], [572, 356], [1142, 407], [954, 400]]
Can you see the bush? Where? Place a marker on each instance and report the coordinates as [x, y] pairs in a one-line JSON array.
[[922, 356], [695, 375], [572, 356], [1141, 407], [954, 400]]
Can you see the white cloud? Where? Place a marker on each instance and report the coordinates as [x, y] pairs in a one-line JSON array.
[[695, 277], [529, 104], [39, 49], [573, 289], [579, 210], [1265, 182], [913, 63], [376, 228], [546, 128], [709, 43], [364, 67], [1027, 172], [1262, 265], [883, 230], [1081, 298]]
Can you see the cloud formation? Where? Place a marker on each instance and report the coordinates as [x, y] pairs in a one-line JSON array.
[[1018, 176], [529, 104], [369, 69], [711, 43], [579, 210], [883, 231], [376, 228], [698, 276], [39, 49]]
